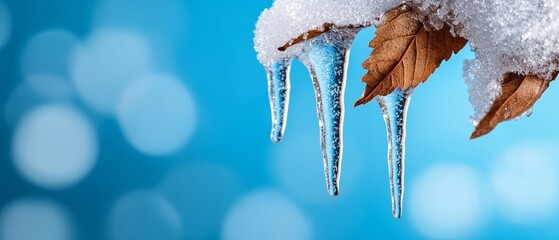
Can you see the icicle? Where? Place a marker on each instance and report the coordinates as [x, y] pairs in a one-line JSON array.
[[326, 58], [526, 114], [278, 93], [394, 109]]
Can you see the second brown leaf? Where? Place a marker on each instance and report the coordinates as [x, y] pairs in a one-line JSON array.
[[518, 94]]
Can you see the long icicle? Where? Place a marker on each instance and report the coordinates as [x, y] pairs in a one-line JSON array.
[[278, 93], [326, 58], [394, 110]]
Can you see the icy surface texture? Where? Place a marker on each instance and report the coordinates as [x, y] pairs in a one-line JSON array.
[[326, 59], [394, 111], [278, 93], [288, 19]]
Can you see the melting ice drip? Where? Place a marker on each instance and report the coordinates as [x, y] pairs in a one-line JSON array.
[[394, 110], [326, 58], [327, 63], [278, 92]]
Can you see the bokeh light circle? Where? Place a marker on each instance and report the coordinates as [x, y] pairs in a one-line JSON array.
[[202, 192], [54, 146], [445, 202], [49, 52], [156, 114], [526, 183], [31, 219], [266, 215], [144, 215], [104, 66]]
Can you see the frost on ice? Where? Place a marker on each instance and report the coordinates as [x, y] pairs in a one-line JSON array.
[[326, 59], [394, 110], [518, 36], [278, 92]]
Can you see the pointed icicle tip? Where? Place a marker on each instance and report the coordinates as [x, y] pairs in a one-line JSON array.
[[394, 110], [333, 191], [278, 94], [326, 59]]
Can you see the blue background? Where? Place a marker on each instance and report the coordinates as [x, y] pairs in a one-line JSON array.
[[229, 156]]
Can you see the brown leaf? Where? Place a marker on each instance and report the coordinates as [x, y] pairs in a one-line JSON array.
[[326, 27], [405, 54], [519, 93]]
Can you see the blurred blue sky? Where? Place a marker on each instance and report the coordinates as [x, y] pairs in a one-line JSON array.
[[150, 120]]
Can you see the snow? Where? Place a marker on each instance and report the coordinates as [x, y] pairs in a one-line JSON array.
[[289, 19], [507, 35]]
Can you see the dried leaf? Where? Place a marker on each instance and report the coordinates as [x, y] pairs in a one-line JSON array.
[[405, 54], [326, 27], [519, 93]]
